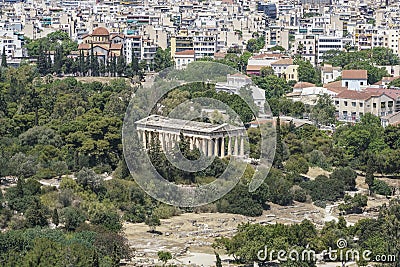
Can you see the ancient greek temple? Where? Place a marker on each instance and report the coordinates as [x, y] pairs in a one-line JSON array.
[[211, 139]]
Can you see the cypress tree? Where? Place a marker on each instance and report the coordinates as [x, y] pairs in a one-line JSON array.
[[48, 62], [134, 63], [218, 262], [108, 67], [369, 174], [4, 58], [114, 65], [95, 66], [20, 187], [42, 61], [121, 65], [55, 217], [91, 64], [279, 145], [58, 58], [95, 259]]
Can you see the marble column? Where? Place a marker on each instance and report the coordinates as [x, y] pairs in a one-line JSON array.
[[216, 147], [209, 150], [191, 142], [197, 142], [144, 139], [229, 146], [222, 146], [236, 152], [242, 146], [204, 144]]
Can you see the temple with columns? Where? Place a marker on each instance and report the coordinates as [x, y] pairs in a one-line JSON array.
[[218, 140]]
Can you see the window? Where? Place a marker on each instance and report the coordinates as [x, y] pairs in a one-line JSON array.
[[353, 104], [361, 83], [374, 105], [337, 102], [390, 104], [346, 84], [383, 104], [361, 105], [345, 103]]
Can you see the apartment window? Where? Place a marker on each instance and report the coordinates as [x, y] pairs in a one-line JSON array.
[[346, 84], [345, 103], [361, 83], [374, 105], [361, 105], [353, 104], [390, 104], [383, 104], [337, 102]]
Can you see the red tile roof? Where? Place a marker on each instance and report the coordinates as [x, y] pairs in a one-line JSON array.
[[392, 93], [185, 53], [354, 75], [333, 84], [359, 95], [100, 31], [303, 85], [265, 55], [83, 46], [286, 61]]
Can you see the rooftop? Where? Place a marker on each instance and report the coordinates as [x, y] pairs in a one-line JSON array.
[[354, 75], [165, 123]]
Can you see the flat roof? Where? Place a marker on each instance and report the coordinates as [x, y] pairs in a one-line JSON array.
[[165, 123]]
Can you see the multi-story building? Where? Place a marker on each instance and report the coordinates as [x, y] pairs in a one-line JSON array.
[[205, 45], [352, 105], [326, 43]]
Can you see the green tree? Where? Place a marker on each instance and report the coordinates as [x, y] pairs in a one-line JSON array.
[[55, 218], [4, 58], [58, 60], [274, 86], [88, 179], [324, 110], [266, 71], [121, 65], [164, 256], [152, 221], [347, 175], [35, 215], [278, 161], [218, 262], [369, 174], [162, 59], [72, 218], [306, 72]]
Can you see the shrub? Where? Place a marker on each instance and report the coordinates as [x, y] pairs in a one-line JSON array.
[[381, 188]]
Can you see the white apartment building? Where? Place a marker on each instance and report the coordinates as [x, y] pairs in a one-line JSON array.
[[133, 45], [12, 45], [326, 43], [306, 46], [277, 36], [205, 45]]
